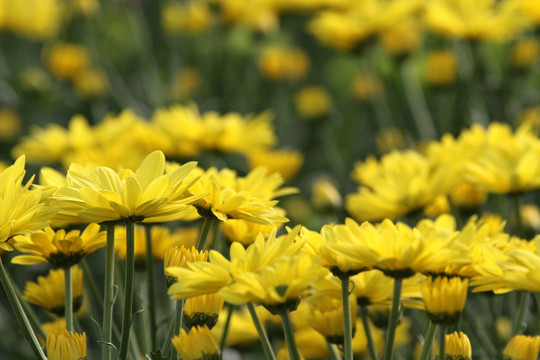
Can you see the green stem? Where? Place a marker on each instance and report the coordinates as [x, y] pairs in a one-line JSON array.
[[347, 320], [334, 352], [128, 290], [150, 285], [175, 329], [223, 340], [367, 331], [32, 317], [206, 230], [91, 281], [68, 296], [268, 352], [289, 335], [426, 348], [108, 295], [442, 342], [19, 314], [522, 309], [393, 320]]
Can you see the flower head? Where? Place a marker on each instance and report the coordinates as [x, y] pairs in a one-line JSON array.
[[444, 298], [59, 248], [202, 310], [522, 347], [458, 346], [197, 344], [66, 345]]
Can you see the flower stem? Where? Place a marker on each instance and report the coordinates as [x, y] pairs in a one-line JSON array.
[[334, 352], [289, 335], [522, 309], [150, 286], [19, 314], [68, 296], [175, 329], [31, 315], [367, 331], [347, 321], [128, 290], [207, 227], [393, 320], [223, 340], [262, 334], [442, 342], [427, 342], [108, 295]]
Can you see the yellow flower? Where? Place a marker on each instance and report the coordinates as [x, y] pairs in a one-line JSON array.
[[389, 139], [285, 162], [52, 327], [48, 291], [247, 198], [326, 316], [278, 63], [276, 285], [258, 15], [145, 195], [22, 211], [66, 345], [458, 346], [441, 68], [399, 184], [505, 160], [401, 38], [245, 232], [180, 257], [525, 53], [324, 196], [186, 83], [366, 86], [59, 248], [312, 102], [444, 298], [475, 20], [34, 19], [522, 347], [187, 19], [161, 238], [242, 332], [468, 195], [67, 61], [91, 83], [198, 344], [209, 277], [202, 310], [10, 124]]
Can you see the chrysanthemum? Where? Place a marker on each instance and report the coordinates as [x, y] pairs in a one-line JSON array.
[[444, 298], [458, 346], [66, 345], [286, 163], [181, 257], [326, 316], [22, 211], [245, 232], [48, 291], [202, 310], [58, 248], [522, 347], [249, 198], [401, 183], [197, 344], [145, 195]]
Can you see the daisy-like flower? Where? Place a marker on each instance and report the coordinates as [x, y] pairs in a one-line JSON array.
[[458, 346], [48, 292], [401, 183], [180, 257], [22, 210], [287, 163], [505, 160], [249, 198], [145, 195], [202, 310], [197, 344], [209, 277], [444, 298], [245, 232], [58, 248], [326, 316], [522, 347], [66, 345]]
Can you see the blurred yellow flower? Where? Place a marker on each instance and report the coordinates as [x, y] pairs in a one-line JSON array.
[[186, 83], [467, 195], [525, 52], [34, 19], [401, 38], [326, 316], [325, 197], [366, 87], [312, 102], [458, 346], [48, 292], [58, 248], [242, 332], [245, 232], [522, 347], [67, 61], [280, 63], [285, 162], [10, 124], [91, 83], [190, 18], [147, 194], [197, 344], [66, 345], [441, 68]]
